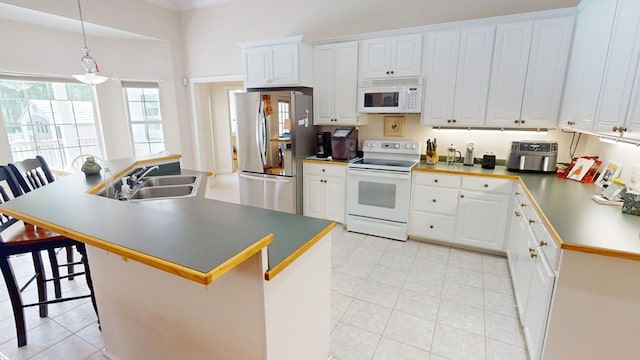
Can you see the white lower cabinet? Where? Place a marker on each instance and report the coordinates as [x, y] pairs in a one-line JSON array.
[[434, 205], [482, 212], [533, 278], [460, 210], [324, 191]]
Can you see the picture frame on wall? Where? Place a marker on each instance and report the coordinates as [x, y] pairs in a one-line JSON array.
[[394, 126], [609, 171]]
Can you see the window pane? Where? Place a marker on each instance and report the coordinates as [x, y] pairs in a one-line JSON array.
[[41, 119], [145, 119]]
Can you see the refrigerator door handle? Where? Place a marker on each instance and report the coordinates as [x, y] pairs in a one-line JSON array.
[[260, 131], [245, 176], [279, 179]]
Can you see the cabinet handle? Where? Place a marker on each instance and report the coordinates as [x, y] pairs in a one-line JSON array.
[[543, 243], [387, 72], [532, 249], [533, 255], [523, 205], [517, 193], [516, 121], [454, 120], [570, 123], [462, 196], [615, 129], [522, 121], [486, 185], [434, 200], [430, 226], [517, 213], [449, 121], [622, 129], [531, 221], [323, 170], [392, 72], [435, 180]]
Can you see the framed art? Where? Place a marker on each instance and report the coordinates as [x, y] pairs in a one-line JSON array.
[[610, 171], [394, 126]]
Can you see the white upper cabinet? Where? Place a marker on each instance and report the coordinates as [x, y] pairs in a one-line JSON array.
[[622, 61], [287, 62], [529, 65], [587, 64], [336, 84], [398, 56], [458, 74]]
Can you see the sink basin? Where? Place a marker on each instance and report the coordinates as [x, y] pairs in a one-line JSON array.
[[163, 192], [169, 180]]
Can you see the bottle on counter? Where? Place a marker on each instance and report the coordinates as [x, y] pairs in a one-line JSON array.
[[108, 183]]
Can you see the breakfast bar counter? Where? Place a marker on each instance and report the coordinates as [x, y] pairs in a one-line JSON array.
[[193, 278]]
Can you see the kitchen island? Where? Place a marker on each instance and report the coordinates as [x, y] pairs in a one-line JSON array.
[[192, 278], [595, 302]]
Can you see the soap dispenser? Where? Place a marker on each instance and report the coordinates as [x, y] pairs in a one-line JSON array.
[[125, 189]]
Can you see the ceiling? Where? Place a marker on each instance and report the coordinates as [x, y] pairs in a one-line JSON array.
[[184, 5], [38, 18]]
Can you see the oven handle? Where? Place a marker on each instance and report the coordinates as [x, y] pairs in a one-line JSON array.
[[380, 173]]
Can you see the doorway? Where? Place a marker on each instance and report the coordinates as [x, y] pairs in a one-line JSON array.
[[214, 121]]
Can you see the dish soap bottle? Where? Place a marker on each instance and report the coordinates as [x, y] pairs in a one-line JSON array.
[[108, 183]]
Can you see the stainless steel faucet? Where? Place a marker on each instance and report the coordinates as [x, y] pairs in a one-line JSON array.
[[137, 179]]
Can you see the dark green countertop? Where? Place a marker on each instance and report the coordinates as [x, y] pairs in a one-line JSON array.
[[197, 234], [581, 223]]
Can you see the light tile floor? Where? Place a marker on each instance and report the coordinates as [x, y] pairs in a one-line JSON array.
[[390, 300]]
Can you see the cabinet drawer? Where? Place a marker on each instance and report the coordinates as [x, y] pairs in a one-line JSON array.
[[325, 169], [432, 226], [435, 199], [485, 184], [435, 179]]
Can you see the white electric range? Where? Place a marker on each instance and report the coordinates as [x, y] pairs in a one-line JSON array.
[[379, 188]]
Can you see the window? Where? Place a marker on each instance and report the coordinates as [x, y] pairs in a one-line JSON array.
[[283, 116], [143, 107], [49, 118]]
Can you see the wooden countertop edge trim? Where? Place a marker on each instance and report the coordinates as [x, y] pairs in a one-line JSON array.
[[554, 234], [325, 162], [164, 265], [273, 272]]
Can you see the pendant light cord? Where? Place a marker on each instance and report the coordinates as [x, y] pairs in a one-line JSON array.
[[84, 36]]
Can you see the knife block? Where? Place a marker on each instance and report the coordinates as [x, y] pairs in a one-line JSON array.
[[431, 157]]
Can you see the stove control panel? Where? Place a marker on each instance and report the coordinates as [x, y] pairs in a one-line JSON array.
[[386, 146]]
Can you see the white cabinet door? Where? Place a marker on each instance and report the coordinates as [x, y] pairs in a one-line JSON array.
[[482, 220], [406, 55], [335, 199], [284, 64], [508, 74], [324, 62], [620, 70], [472, 80], [546, 71], [397, 56], [313, 197], [520, 240], [633, 118], [529, 65], [336, 84], [257, 66], [440, 85], [535, 319], [586, 67]]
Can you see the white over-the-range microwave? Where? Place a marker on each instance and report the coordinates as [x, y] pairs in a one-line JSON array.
[[400, 95]]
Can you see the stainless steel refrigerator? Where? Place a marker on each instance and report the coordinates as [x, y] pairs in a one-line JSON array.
[[275, 132]]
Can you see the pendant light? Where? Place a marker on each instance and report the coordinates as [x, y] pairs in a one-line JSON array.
[[90, 66]]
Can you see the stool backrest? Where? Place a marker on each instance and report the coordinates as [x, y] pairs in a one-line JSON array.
[[9, 189], [32, 174]]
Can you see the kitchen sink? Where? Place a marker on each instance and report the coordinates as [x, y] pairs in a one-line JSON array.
[[163, 192], [169, 180]]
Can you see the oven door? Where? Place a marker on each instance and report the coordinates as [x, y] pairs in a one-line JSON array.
[[378, 194]]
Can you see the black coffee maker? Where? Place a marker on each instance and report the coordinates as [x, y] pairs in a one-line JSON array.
[[323, 144]]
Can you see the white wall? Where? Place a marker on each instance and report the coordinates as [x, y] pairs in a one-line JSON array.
[[623, 154], [153, 53], [222, 126]]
